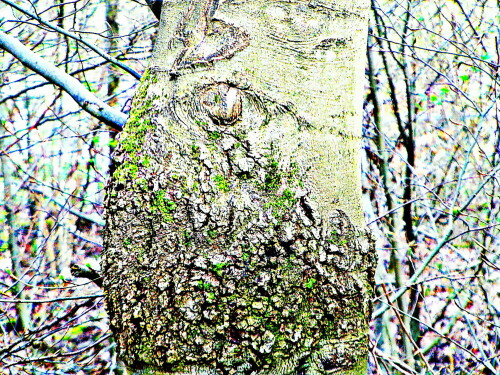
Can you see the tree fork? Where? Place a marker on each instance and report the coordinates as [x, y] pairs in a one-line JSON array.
[[234, 240]]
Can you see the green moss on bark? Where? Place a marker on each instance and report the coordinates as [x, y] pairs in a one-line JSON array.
[[243, 274], [133, 137]]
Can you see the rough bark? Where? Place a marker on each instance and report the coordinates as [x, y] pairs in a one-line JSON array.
[[234, 240]]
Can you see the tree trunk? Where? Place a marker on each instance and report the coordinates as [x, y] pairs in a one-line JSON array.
[[10, 244], [234, 239]]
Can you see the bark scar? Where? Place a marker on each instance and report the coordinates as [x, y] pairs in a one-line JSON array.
[[205, 38]]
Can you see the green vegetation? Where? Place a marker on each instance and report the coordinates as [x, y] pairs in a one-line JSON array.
[[214, 136], [134, 133], [203, 285], [274, 180], [188, 239], [310, 283], [195, 151], [222, 183], [126, 171], [281, 203], [273, 177], [219, 267], [338, 239], [163, 205], [210, 296]]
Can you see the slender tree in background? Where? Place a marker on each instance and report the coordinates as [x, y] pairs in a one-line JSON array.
[[234, 238], [432, 137]]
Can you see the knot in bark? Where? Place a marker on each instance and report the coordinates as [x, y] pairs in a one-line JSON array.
[[222, 103]]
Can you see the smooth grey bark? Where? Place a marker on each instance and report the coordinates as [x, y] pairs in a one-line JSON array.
[[234, 240]]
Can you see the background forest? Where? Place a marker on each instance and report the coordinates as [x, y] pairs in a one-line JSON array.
[[431, 163]]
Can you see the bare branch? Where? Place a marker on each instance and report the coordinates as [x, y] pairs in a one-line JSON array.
[[100, 52], [91, 218], [90, 103], [50, 300], [444, 240]]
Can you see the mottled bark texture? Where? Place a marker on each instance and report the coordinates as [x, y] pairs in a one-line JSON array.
[[233, 242]]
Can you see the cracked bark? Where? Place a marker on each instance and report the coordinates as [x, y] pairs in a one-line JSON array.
[[234, 240]]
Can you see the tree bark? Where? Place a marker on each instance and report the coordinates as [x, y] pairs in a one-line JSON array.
[[234, 240]]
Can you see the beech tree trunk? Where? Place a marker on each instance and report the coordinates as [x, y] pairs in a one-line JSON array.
[[235, 241]]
